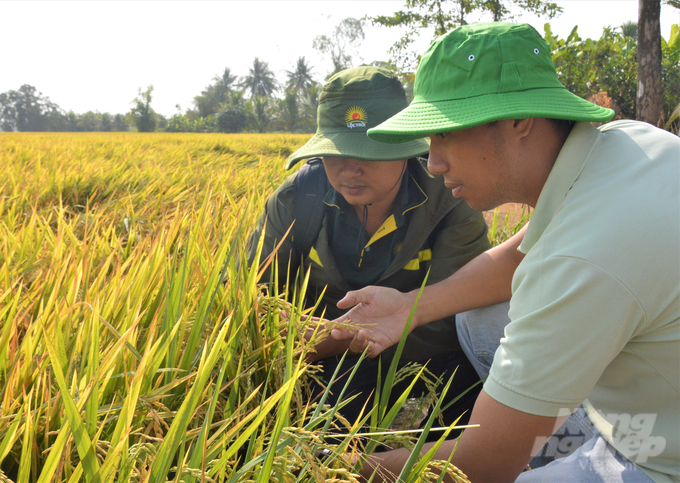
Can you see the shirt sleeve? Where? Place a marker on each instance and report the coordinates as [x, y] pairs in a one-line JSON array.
[[275, 221], [569, 320]]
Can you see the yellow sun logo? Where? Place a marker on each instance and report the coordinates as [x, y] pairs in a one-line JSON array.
[[355, 114]]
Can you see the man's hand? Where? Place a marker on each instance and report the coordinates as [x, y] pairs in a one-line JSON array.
[[382, 311], [498, 450]]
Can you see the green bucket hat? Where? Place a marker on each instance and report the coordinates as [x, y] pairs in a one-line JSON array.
[[485, 72], [353, 101]]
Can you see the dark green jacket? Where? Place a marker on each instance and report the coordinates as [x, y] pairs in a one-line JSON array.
[[443, 235]]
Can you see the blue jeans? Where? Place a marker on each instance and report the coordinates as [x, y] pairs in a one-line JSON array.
[[576, 452]]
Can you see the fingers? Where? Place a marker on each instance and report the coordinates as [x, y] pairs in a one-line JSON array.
[[359, 341], [362, 342], [374, 349], [309, 318], [353, 298], [347, 301], [342, 334]]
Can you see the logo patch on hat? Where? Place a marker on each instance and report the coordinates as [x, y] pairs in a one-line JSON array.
[[356, 117]]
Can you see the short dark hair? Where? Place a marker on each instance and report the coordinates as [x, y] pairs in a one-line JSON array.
[[562, 125]]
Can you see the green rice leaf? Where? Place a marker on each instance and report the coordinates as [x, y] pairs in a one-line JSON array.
[[10, 435], [80, 437], [177, 433]]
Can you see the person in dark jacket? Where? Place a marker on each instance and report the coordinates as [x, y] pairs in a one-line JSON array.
[[386, 221]]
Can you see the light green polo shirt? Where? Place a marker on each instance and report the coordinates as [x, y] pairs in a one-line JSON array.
[[595, 309]]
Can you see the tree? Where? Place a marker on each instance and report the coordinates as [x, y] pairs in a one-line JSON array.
[[143, 115], [441, 16], [88, 122], [289, 110], [501, 12], [224, 84], [345, 35], [609, 65], [26, 109], [232, 119], [650, 89], [210, 100], [106, 122], [206, 103], [309, 108], [259, 110], [72, 120], [629, 29], [237, 99], [260, 80], [178, 123], [587, 67], [161, 121], [670, 78], [119, 123], [300, 78]]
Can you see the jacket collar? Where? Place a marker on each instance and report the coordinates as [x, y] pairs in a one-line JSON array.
[[439, 205]]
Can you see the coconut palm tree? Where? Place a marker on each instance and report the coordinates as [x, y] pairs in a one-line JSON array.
[[260, 81], [630, 29], [300, 79], [289, 110], [308, 103], [208, 102], [224, 84], [259, 110]]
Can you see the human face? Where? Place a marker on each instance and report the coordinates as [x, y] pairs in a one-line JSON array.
[[475, 165], [361, 183]]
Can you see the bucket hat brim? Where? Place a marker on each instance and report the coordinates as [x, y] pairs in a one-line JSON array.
[[422, 118], [358, 146]]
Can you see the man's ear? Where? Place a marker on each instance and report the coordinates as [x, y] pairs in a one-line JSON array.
[[522, 127]]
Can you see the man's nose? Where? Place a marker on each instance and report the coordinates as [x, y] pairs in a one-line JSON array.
[[352, 167], [435, 160], [435, 164]]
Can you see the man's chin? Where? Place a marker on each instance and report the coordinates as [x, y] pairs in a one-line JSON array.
[[482, 205], [476, 204], [487, 207]]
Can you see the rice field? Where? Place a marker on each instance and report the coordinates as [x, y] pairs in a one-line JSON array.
[[135, 345]]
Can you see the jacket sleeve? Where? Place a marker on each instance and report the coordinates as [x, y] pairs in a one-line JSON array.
[[275, 221], [456, 240], [460, 237]]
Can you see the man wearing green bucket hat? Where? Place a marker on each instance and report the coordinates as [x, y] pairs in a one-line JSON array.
[[381, 219], [593, 280]]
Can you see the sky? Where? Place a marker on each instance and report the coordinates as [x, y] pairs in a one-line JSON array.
[[96, 55]]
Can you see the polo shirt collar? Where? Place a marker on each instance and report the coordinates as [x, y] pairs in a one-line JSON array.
[[568, 166]]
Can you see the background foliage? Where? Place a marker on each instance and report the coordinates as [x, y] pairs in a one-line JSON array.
[[588, 67], [602, 70], [437, 17]]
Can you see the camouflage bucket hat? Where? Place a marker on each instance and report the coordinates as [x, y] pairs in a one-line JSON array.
[[485, 72], [353, 101]]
